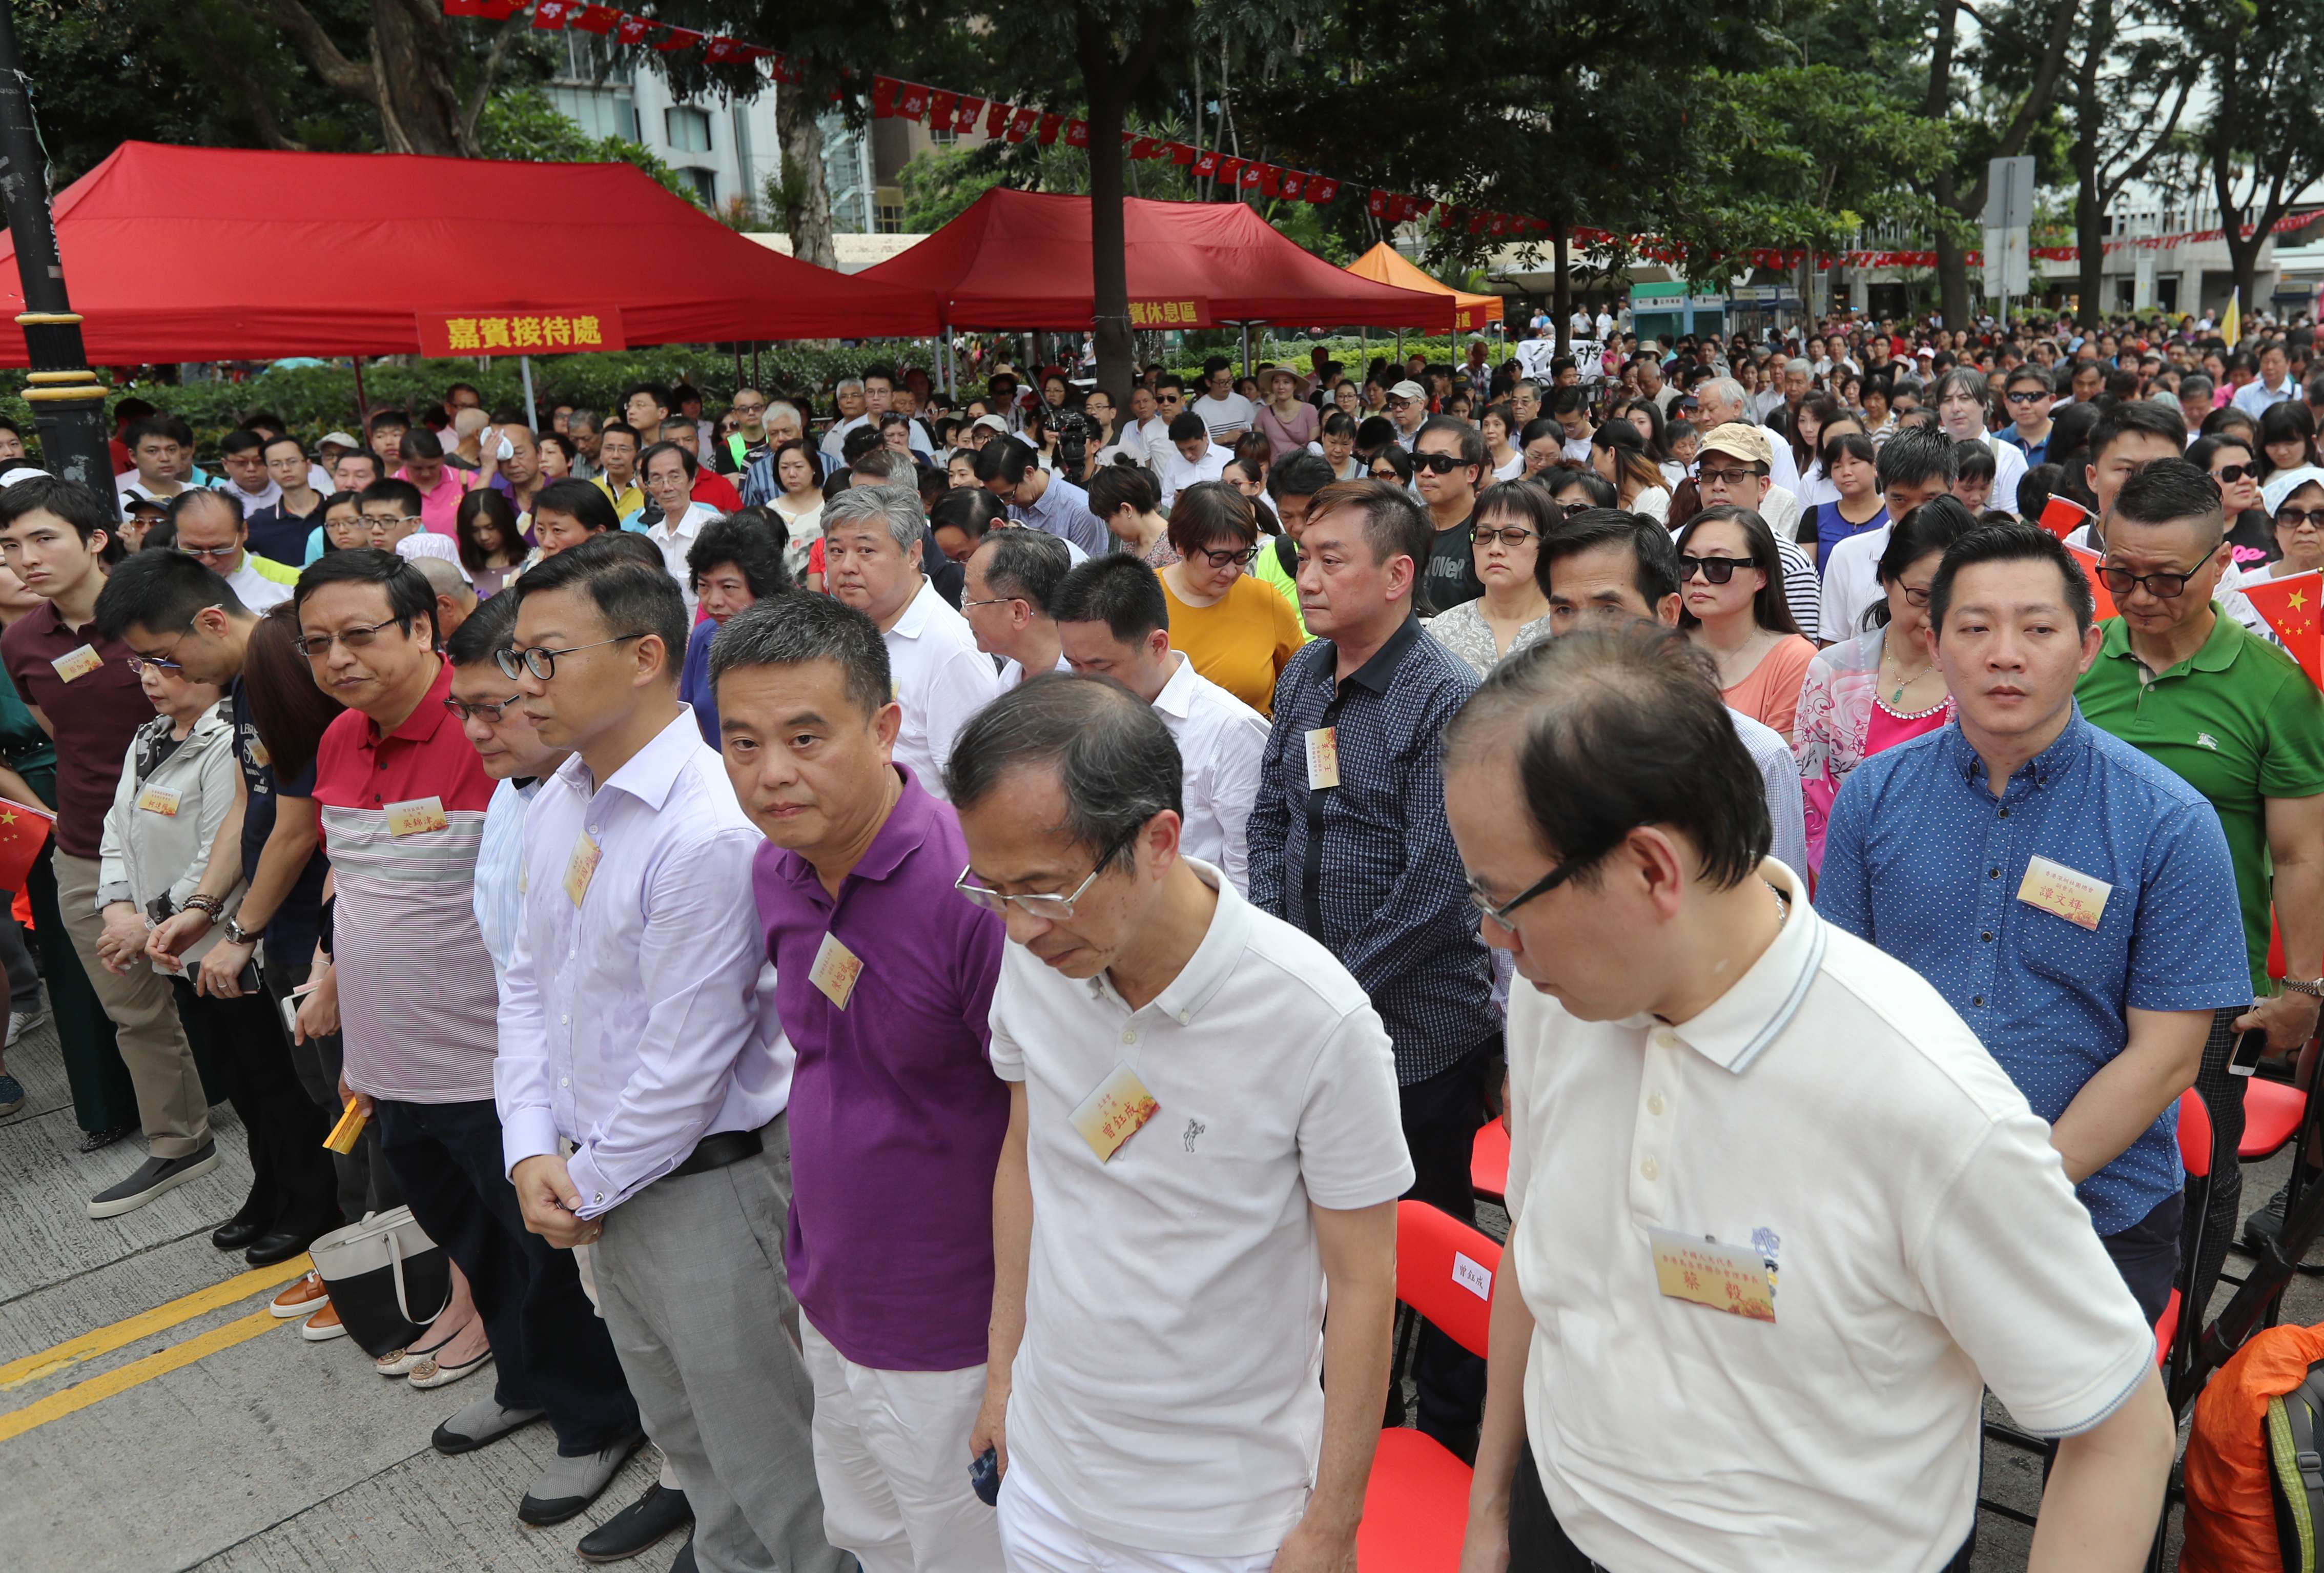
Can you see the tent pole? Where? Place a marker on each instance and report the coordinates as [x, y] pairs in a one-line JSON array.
[[531, 410], [738, 363], [363, 412], [1246, 349], [754, 366], [1399, 353]]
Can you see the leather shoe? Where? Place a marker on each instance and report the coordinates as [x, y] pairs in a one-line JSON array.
[[651, 1516], [236, 1233], [279, 1246]]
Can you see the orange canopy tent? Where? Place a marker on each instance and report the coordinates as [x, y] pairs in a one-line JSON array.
[[1384, 264]]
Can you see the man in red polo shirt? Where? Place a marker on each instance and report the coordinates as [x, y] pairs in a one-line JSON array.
[[57, 536], [403, 797]]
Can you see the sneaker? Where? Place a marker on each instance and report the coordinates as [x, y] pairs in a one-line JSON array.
[[323, 1326], [12, 1094], [638, 1526], [153, 1177], [570, 1485], [304, 1297], [23, 1022]]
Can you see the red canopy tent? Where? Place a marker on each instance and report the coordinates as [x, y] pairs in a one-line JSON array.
[[215, 254], [1021, 260]]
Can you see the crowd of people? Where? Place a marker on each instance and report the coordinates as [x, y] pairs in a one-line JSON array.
[[756, 879]]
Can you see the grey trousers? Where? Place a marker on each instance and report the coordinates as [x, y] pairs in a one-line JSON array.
[[690, 1282]]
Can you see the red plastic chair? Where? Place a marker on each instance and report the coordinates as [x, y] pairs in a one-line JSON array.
[[2195, 1155], [2273, 1110], [1417, 1501], [1488, 1162]]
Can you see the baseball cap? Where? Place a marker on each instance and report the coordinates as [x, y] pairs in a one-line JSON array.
[[991, 423], [1738, 440], [339, 438], [1408, 390]]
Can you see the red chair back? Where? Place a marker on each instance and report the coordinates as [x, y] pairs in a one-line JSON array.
[[1444, 1271], [2194, 1135]]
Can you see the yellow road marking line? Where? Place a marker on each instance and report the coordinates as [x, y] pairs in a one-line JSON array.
[[98, 1388], [144, 1324]]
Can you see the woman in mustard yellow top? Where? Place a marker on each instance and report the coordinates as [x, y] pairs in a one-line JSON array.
[[1237, 631]]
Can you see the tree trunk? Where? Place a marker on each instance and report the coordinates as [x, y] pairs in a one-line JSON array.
[[408, 79], [1109, 246], [1953, 277], [801, 193], [1561, 295], [2089, 115]]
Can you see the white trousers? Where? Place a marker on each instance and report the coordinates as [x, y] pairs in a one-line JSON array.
[[1036, 1537], [892, 1459]]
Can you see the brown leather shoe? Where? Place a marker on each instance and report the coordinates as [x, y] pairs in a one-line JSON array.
[[324, 1325], [303, 1297]]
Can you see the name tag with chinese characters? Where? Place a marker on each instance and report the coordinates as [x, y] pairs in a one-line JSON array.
[[257, 753], [581, 868], [1112, 1113], [74, 665], [159, 801], [416, 816], [835, 970], [2064, 891], [1323, 758], [1725, 1278]]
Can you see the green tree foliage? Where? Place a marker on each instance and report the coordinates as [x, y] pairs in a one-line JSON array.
[[520, 123]]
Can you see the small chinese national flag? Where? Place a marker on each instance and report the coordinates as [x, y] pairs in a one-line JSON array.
[[2061, 516], [2103, 603], [23, 832], [596, 19], [2289, 605]]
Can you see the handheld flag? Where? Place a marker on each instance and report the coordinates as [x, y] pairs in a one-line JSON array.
[[2231, 326], [2061, 516], [2102, 602], [2290, 606], [24, 831]]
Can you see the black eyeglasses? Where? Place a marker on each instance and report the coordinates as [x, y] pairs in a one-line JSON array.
[[490, 709], [1540, 887], [1438, 464], [2163, 586], [1716, 570], [541, 661], [1245, 555], [1513, 538], [1726, 478]]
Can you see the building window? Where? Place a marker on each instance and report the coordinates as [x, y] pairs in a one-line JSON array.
[[943, 136], [689, 129], [890, 218], [705, 183]]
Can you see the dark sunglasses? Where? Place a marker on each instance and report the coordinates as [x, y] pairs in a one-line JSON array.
[[1438, 464], [2294, 518], [1717, 570], [2229, 474]]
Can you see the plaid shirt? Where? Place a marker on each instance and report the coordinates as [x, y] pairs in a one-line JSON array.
[[1368, 867]]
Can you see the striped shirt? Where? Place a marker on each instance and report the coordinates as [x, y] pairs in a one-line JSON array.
[[417, 998]]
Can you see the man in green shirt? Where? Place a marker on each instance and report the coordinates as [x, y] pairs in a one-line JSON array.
[[2236, 718]]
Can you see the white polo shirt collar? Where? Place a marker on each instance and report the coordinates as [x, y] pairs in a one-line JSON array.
[[1732, 1031], [915, 611], [1213, 963]]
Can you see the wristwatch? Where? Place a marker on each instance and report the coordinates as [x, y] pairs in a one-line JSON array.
[[2313, 987], [237, 935]]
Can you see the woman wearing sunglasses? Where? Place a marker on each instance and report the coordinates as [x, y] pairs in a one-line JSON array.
[[1238, 630], [1511, 518], [2229, 459], [1881, 688], [2294, 502], [1730, 584]]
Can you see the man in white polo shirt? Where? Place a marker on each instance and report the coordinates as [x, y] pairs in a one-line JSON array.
[[1115, 623], [1758, 1293], [872, 537], [1204, 1142]]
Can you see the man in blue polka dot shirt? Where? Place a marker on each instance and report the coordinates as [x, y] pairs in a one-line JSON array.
[[2071, 899]]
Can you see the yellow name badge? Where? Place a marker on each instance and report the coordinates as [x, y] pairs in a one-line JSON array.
[[76, 664], [258, 754], [1112, 1113], [1725, 1278], [159, 801], [417, 816], [1323, 758], [2072, 895], [581, 868], [835, 970]]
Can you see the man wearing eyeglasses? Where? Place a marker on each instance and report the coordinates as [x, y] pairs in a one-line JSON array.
[[1407, 410], [211, 531], [2235, 716], [1725, 1226], [750, 441], [1348, 843], [884, 981], [1202, 1148], [403, 797]]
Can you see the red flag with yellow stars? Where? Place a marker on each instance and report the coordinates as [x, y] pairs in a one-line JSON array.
[[2289, 605], [24, 831], [2102, 604]]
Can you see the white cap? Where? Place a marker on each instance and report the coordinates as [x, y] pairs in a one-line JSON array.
[[428, 543]]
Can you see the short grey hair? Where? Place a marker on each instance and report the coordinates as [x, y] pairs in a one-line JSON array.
[[2195, 385], [848, 386], [783, 407], [1116, 761], [1727, 391], [1025, 564], [589, 417], [793, 629], [1967, 382], [1798, 363], [901, 469], [897, 508]]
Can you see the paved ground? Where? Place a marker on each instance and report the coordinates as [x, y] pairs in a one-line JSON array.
[[153, 1417]]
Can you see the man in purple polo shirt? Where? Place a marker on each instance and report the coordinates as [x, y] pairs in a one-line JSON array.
[[884, 981]]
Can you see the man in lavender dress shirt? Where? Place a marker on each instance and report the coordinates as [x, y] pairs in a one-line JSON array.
[[884, 979], [636, 1025]]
